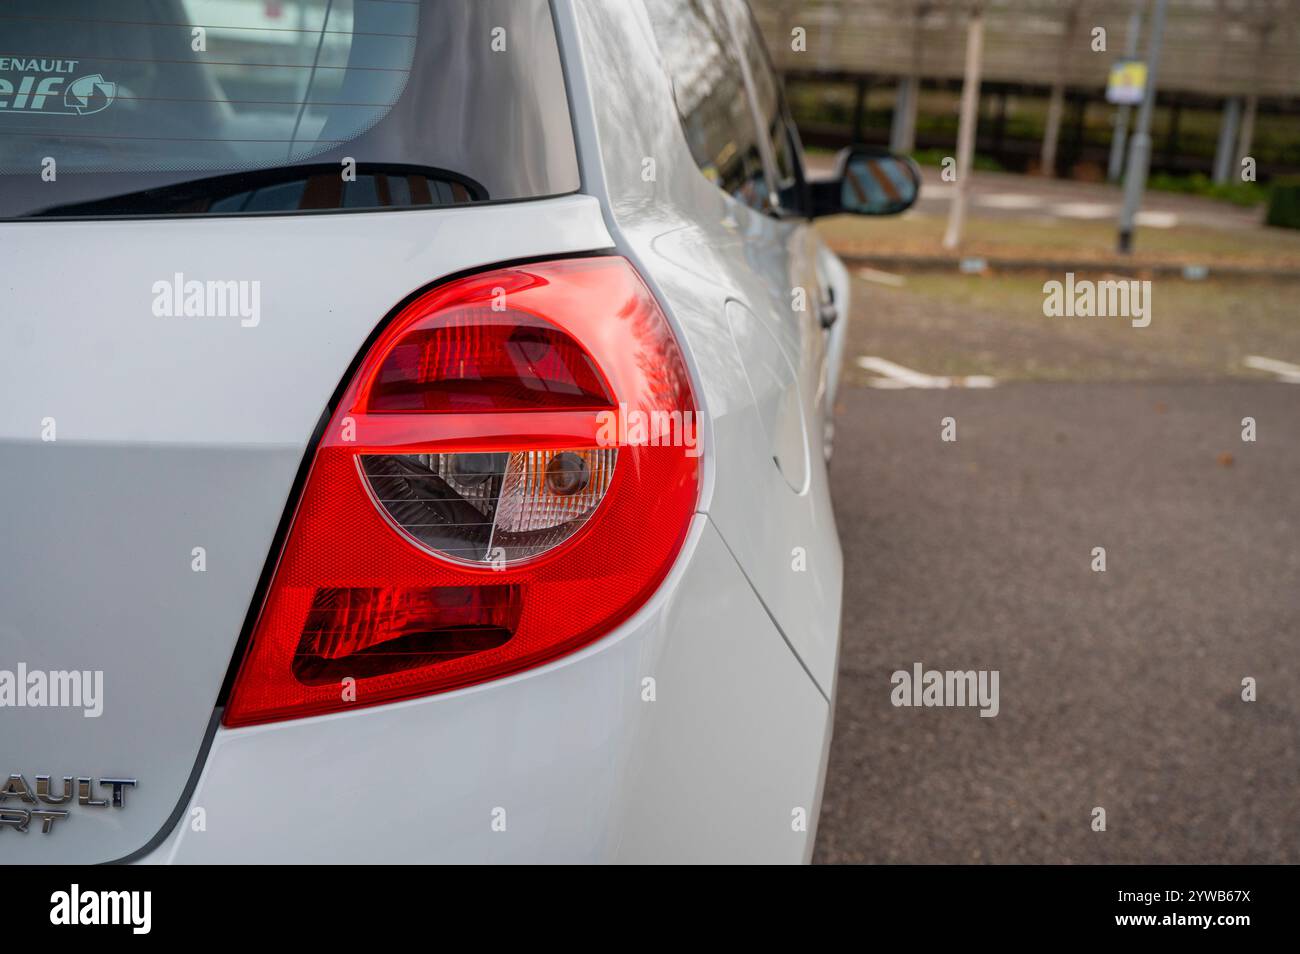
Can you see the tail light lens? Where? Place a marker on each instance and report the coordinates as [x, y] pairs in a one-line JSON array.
[[508, 476], [490, 509]]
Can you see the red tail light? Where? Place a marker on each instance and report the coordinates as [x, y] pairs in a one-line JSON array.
[[509, 476]]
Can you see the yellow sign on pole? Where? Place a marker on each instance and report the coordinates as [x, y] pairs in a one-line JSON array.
[[1127, 83]]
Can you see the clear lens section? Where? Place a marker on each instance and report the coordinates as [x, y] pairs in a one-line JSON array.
[[492, 509]]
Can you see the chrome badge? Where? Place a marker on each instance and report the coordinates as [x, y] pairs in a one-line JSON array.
[[84, 788]]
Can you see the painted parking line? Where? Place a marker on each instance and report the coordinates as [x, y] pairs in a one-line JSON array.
[[1285, 370], [1085, 210], [1156, 220], [895, 376], [881, 278], [1008, 200]]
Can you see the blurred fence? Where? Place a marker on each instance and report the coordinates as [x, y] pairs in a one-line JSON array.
[[1215, 52], [1214, 47]]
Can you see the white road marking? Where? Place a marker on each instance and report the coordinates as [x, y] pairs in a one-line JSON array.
[[896, 376], [1285, 370], [1156, 220], [1008, 200], [882, 278], [1085, 210]]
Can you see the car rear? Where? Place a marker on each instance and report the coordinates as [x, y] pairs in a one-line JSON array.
[[313, 350]]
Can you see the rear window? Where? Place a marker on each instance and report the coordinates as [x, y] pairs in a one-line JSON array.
[[160, 107]]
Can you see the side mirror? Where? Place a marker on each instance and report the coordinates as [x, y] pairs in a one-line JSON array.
[[867, 181]]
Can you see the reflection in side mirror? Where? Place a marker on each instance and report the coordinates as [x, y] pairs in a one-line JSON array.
[[878, 185], [868, 182]]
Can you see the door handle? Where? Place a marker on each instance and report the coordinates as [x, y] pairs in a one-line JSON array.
[[827, 313]]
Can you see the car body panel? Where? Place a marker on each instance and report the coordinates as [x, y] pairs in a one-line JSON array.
[[572, 758], [700, 249], [174, 433], [199, 426]]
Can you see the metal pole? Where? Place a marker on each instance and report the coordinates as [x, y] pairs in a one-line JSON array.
[[1115, 168], [1139, 153], [1052, 131], [1056, 99], [1225, 154], [970, 98], [901, 138], [1247, 135]]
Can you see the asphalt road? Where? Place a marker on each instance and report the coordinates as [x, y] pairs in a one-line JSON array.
[[1120, 689]]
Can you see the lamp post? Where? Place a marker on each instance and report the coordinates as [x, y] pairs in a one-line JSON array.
[[970, 99], [1139, 152]]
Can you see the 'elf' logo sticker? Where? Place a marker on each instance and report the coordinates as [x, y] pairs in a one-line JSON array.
[[47, 95]]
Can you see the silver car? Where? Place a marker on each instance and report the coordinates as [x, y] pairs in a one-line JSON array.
[[415, 433]]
